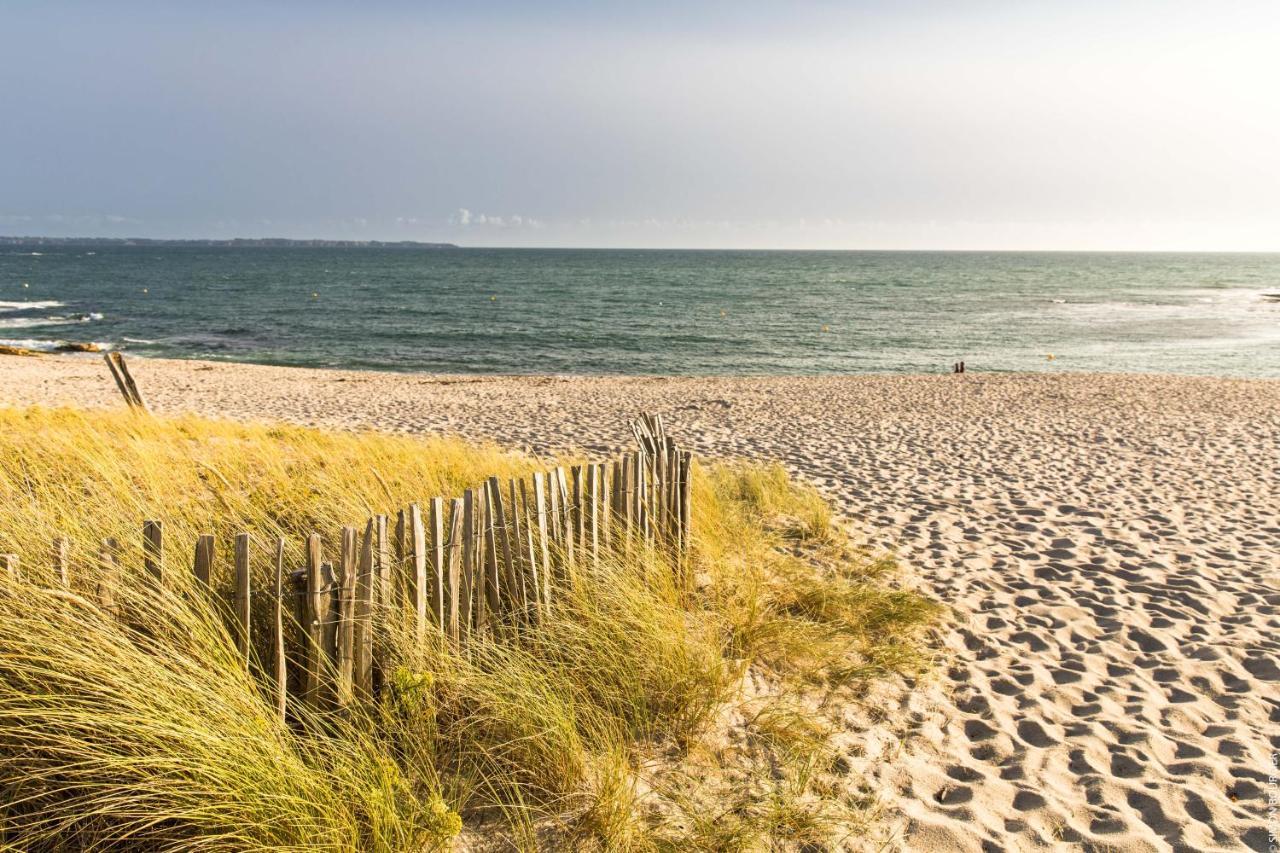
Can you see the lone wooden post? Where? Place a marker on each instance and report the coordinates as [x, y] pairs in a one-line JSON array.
[[153, 550], [242, 601], [124, 381], [9, 567]]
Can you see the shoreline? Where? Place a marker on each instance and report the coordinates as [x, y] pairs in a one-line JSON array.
[[77, 353], [1106, 544]]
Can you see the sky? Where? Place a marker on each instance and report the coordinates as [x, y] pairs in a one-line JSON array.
[[857, 125]]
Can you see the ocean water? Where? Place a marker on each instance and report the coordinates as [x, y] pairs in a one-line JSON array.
[[657, 312]]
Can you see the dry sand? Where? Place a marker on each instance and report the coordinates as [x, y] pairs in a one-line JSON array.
[[1110, 546]]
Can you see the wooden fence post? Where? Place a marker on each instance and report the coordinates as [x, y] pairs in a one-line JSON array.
[[544, 555], [400, 585], [153, 550], [281, 674], [626, 501], [437, 563], [418, 550], [529, 555], [470, 543], [9, 567], [382, 564], [453, 604], [515, 533], [242, 601], [346, 637], [606, 505], [491, 589], [364, 614], [202, 565], [565, 521], [686, 492], [318, 605]]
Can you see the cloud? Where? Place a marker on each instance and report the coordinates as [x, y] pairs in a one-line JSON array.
[[465, 218]]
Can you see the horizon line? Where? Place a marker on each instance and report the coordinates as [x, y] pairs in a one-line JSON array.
[[447, 244]]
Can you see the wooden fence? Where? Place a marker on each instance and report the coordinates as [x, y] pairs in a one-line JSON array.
[[489, 562]]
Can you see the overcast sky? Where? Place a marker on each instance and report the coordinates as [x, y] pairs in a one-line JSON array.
[[1071, 125]]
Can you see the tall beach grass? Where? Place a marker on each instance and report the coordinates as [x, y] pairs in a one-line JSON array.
[[149, 733]]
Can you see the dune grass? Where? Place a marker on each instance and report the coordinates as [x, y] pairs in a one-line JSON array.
[[588, 732]]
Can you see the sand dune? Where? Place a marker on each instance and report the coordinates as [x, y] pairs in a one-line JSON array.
[[1110, 546]]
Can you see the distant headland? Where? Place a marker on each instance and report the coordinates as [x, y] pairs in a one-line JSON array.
[[235, 243]]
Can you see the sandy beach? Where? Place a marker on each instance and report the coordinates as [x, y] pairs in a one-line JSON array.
[[1109, 546]]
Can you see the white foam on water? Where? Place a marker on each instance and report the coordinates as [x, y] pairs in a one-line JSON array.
[[30, 306], [46, 346], [33, 322]]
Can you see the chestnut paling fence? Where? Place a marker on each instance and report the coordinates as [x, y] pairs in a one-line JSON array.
[[489, 562]]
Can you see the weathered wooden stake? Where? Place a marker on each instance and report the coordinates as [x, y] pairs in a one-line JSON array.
[[467, 583], [346, 578], [132, 395], [591, 516], [382, 564], [280, 680], [9, 567], [453, 576], [515, 531], [529, 556], [686, 491], [402, 551], [153, 550], [492, 590], [203, 564], [318, 606], [544, 555], [418, 586], [242, 601], [564, 520], [498, 520], [608, 483], [437, 563], [364, 610]]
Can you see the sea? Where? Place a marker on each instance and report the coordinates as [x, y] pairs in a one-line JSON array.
[[553, 311]]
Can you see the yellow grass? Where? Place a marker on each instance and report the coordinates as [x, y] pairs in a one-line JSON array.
[[153, 736]]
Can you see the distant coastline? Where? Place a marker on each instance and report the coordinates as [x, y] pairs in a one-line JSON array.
[[235, 243]]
